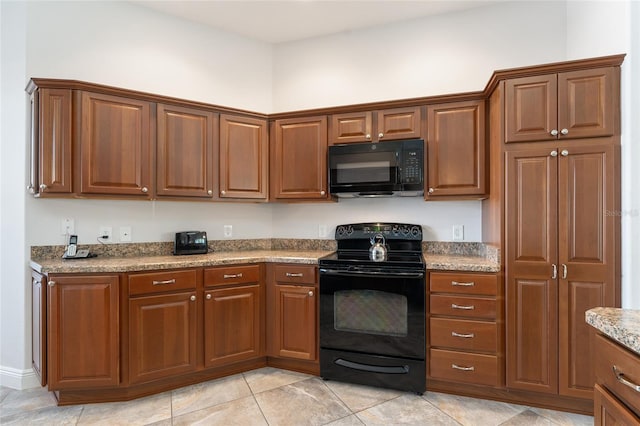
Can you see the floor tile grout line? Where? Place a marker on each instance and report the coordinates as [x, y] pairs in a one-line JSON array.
[[253, 395]]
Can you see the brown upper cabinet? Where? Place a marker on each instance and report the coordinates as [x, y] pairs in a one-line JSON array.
[[376, 126], [568, 105], [51, 160], [244, 158], [115, 145], [299, 159], [456, 150], [185, 151]]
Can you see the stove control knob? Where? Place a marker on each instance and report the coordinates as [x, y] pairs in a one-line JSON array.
[[340, 231], [349, 230], [405, 230], [415, 231]]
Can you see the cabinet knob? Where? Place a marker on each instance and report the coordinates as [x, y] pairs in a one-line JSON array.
[[380, 135], [193, 298], [564, 131], [431, 190], [322, 192], [51, 283], [368, 136], [554, 153], [30, 189], [209, 192], [564, 152], [144, 189], [43, 187], [310, 293], [554, 132], [208, 297], [223, 192]]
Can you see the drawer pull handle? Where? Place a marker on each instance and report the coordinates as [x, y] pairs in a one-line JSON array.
[[621, 378], [165, 282], [457, 367], [227, 276], [467, 308], [291, 274], [459, 284], [466, 336]]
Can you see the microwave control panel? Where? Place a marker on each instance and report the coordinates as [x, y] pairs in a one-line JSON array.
[[412, 166]]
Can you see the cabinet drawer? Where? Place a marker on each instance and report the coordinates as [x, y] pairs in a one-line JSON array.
[[460, 306], [463, 334], [447, 282], [302, 274], [464, 367], [627, 364], [158, 282], [232, 275]]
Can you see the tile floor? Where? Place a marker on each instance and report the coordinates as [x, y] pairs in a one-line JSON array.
[[270, 396]]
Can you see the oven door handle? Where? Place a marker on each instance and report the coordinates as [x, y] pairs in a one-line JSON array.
[[372, 274], [400, 369]]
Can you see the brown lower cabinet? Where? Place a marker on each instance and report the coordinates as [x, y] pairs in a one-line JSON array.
[[114, 337]]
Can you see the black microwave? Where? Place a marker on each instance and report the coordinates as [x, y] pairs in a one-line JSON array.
[[393, 168]]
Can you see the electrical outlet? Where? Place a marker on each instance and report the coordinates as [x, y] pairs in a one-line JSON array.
[[125, 234], [458, 232], [105, 234], [228, 231], [322, 231], [67, 226]]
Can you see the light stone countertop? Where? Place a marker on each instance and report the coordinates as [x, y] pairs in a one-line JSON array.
[[621, 325], [148, 263], [445, 262]]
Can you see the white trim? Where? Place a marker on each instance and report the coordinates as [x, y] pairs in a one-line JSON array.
[[18, 379]]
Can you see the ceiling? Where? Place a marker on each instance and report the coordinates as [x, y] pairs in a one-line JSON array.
[[285, 21]]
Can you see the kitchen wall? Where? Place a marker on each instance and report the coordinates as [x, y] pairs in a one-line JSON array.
[[125, 45]]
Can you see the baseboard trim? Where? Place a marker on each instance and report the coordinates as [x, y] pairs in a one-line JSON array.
[[18, 379]]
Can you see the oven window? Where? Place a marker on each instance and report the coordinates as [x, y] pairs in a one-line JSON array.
[[370, 312]]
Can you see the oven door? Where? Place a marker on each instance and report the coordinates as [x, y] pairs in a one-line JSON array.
[[373, 312]]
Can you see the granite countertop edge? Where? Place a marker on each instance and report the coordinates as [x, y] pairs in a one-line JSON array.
[[434, 262], [621, 325]]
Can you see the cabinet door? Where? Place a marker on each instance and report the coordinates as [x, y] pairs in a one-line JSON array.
[[82, 330], [295, 322], [185, 151], [531, 108], [299, 160], [232, 325], [587, 248], [162, 336], [52, 143], [531, 290], [587, 103], [399, 123], [244, 157], [456, 149], [350, 127], [609, 411], [115, 146], [39, 327]]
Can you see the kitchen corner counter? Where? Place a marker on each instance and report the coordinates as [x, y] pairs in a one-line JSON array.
[[444, 262], [147, 263], [621, 325]]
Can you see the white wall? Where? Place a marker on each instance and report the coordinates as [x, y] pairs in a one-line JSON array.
[[604, 28], [123, 45]]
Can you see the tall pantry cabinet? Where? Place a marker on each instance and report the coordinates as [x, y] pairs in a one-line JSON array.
[[555, 154]]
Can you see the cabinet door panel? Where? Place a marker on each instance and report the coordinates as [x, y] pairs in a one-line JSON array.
[[83, 332], [162, 336], [587, 105], [54, 145], [185, 139], [115, 146], [609, 411], [399, 123], [244, 157], [456, 149], [232, 325], [39, 327], [351, 127], [295, 322], [300, 158], [587, 241], [531, 108]]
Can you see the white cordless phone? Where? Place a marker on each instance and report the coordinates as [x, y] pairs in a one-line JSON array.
[[72, 247]]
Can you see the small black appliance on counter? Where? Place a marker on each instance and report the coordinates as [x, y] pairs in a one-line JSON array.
[[190, 242]]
